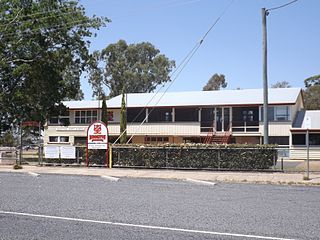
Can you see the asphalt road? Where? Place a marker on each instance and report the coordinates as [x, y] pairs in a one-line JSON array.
[[81, 207]]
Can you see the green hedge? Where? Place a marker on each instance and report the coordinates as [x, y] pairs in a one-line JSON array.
[[197, 156]]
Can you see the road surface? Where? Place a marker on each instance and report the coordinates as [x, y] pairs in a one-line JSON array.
[[82, 207]]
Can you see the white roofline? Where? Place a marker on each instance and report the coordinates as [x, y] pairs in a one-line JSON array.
[[284, 96]]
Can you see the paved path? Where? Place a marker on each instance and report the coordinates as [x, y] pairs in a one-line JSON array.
[[215, 176]]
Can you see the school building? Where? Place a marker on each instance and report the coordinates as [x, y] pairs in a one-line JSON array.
[[225, 116]]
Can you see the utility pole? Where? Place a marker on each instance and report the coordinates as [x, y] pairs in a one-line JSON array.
[[265, 77]]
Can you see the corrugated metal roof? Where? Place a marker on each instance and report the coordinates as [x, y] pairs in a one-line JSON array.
[[197, 98], [300, 122]]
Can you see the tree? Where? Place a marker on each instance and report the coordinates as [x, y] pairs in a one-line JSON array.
[[123, 120], [281, 84], [312, 93], [134, 68], [216, 82], [104, 111], [43, 52], [311, 81], [312, 97], [8, 139]]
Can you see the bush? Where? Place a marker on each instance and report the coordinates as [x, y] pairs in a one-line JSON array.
[[196, 156], [17, 167]]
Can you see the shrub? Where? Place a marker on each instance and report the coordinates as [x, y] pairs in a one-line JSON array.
[[195, 156], [17, 167]]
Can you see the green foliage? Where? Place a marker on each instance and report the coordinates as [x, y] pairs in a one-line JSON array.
[[199, 156], [281, 84], [311, 81], [17, 167], [134, 68], [104, 111], [312, 97], [8, 139], [123, 120], [43, 51], [216, 82], [312, 93], [97, 157]]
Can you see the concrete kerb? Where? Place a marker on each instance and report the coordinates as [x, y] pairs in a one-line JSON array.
[[213, 176]]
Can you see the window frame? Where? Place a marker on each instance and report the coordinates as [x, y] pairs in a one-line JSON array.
[[85, 116], [59, 139]]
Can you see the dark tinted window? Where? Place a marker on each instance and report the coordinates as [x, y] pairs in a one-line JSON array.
[[186, 115], [314, 139], [160, 115], [136, 114], [279, 140], [298, 139]]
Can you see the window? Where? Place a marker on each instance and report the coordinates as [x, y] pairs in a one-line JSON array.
[[53, 139], [64, 139], [54, 120], [280, 140], [282, 113], [298, 139], [136, 114], [110, 116], [57, 139], [245, 119], [156, 140], [160, 115], [186, 115], [277, 113], [61, 120], [86, 117], [314, 139], [270, 113]]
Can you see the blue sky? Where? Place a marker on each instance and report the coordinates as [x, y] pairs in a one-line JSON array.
[[232, 48]]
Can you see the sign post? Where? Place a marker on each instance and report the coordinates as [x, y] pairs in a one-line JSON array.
[[308, 125], [97, 138]]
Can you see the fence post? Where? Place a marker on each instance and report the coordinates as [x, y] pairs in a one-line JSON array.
[[39, 154], [166, 157], [219, 158], [77, 155], [110, 156]]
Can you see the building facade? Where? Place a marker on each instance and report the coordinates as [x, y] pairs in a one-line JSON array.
[[305, 131], [225, 116]]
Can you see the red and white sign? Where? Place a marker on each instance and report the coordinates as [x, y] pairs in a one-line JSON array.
[[97, 136]]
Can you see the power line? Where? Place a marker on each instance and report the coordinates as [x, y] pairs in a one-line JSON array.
[[50, 28], [154, 95], [171, 83], [182, 65], [25, 20], [39, 13], [281, 6]]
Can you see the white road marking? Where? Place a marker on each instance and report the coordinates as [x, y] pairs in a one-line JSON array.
[[142, 226], [113, 179], [200, 182], [33, 174]]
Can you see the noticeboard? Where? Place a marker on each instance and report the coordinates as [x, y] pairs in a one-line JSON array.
[[68, 152], [51, 152]]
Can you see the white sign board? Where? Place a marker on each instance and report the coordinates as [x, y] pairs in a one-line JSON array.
[[308, 122], [68, 152], [97, 136], [51, 152]]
